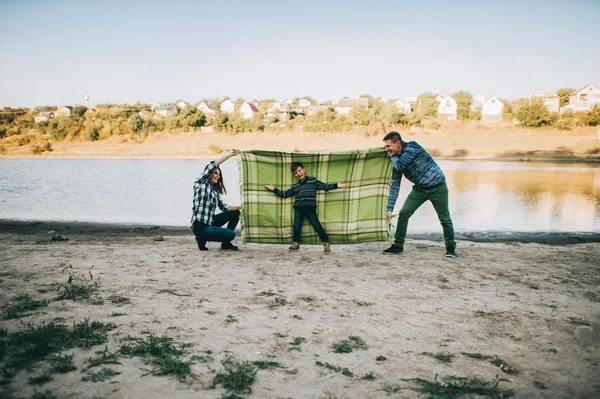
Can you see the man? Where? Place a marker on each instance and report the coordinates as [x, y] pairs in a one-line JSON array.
[[411, 160]]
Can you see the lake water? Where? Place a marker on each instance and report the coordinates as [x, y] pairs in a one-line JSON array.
[[484, 195]]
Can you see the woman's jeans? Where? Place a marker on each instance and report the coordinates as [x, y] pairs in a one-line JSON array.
[[215, 232], [311, 214]]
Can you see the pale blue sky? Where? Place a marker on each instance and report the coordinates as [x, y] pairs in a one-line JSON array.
[[56, 52]]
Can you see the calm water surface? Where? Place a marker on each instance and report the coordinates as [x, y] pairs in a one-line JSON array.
[[484, 195]]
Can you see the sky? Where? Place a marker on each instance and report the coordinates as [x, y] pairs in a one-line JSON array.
[[57, 52]]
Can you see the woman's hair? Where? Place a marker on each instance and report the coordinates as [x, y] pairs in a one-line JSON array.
[[219, 185]]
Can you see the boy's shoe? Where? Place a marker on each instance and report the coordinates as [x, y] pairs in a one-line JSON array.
[[393, 250], [295, 246], [229, 246], [450, 252], [201, 244], [326, 248]]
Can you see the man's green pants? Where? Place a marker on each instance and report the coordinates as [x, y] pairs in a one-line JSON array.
[[438, 195]]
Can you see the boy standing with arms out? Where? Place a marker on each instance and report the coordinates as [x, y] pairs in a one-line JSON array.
[[305, 204], [412, 161]]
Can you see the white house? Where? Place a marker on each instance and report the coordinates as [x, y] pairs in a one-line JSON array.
[[492, 109], [345, 105], [477, 102], [63, 110], [43, 117], [584, 99], [403, 106], [549, 97], [181, 104], [447, 109], [227, 106], [280, 109], [313, 109], [166, 110], [441, 95], [248, 110], [304, 103], [207, 109]]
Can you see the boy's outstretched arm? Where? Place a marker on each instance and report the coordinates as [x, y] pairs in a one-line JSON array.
[[283, 194], [341, 184], [327, 186]]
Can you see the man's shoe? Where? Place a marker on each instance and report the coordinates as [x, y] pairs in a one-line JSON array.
[[201, 244], [295, 246], [229, 246], [326, 248], [393, 250], [450, 252]]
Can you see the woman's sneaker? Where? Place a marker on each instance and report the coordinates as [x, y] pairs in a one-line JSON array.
[[326, 248], [295, 246]]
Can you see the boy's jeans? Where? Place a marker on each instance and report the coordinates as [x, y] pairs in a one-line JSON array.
[[311, 214], [216, 232], [438, 195]]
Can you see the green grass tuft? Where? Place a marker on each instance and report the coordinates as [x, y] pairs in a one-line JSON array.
[[440, 357], [21, 306], [237, 377], [455, 387], [349, 345], [103, 375]]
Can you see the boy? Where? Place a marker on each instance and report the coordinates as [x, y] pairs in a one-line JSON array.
[[305, 204]]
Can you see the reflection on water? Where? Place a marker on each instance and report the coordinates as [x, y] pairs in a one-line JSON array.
[[483, 195]]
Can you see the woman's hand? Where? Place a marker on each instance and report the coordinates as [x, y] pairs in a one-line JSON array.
[[233, 208], [341, 184], [269, 187], [226, 156]]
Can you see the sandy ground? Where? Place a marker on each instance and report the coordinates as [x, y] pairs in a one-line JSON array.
[[480, 142], [535, 306]]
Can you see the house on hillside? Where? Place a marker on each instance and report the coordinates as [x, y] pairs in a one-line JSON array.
[[584, 99], [207, 108], [43, 117], [227, 106], [181, 104], [166, 110], [313, 109], [248, 110], [63, 110], [492, 110], [281, 110], [304, 103], [477, 102], [441, 95], [345, 105], [549, 97], [447, 109], [403, 106]]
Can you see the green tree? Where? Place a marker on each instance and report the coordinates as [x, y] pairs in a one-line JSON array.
[[535, 114], [593, 117], [426, 105], [192, 118], [564, 95], [463, 103], [136, 123], [78, 111]]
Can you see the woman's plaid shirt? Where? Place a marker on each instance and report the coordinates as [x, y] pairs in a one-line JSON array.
[[206, 198]]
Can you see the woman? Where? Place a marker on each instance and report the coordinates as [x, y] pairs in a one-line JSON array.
[[206, 226]]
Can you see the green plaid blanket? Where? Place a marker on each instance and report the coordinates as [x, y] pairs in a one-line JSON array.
[[349, 215]]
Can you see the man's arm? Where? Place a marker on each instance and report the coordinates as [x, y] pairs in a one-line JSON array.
[[394, 191]]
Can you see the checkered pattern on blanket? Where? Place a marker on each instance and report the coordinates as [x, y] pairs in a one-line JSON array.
[[349, 215]]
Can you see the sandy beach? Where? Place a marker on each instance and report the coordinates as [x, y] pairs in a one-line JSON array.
[[522, 317], [475, 142]]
